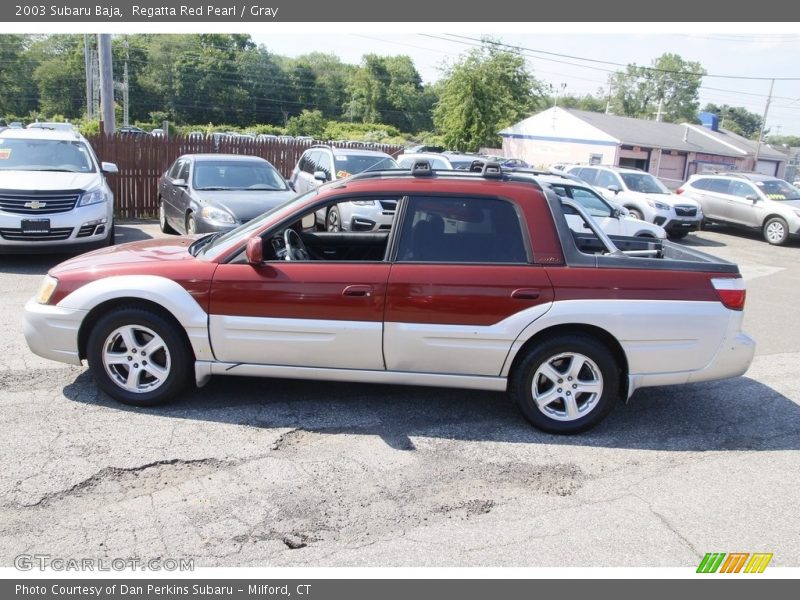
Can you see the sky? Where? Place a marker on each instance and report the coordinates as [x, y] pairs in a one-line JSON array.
[[731, 54]]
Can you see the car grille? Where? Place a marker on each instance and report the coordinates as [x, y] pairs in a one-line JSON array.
[[685, 211], [389, 205], [54, 235], [86, 231], [48, 204]]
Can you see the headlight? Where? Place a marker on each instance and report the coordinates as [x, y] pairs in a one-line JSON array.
[[363, 202], [217, 214], [93, 197], [49, 285], [658, 205]]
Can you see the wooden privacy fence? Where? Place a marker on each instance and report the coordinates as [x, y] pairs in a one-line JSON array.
[[142, 159]]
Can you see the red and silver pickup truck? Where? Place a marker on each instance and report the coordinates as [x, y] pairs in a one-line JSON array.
[[480, 283]]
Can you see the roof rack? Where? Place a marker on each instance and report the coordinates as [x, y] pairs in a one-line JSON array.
[[423, 168]]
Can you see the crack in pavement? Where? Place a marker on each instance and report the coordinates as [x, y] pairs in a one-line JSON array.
[[115, 473]]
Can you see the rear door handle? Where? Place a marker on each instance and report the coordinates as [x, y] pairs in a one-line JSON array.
[[357, 290], [526, 294]]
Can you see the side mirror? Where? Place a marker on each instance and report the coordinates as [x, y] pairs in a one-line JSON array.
[[753, 198], [616, 213], [320, 175], [109, 167], [614, 188], [291, 185], [179, 182], [309, 221], [254, 251]]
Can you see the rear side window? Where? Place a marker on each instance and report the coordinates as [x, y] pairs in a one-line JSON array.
[[461, 230], [720, 186], [588, 175], [702, 184]]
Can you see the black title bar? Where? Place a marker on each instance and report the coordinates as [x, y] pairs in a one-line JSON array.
[[460, 11]]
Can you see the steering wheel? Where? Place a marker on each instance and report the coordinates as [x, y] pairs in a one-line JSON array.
[[295, 248]]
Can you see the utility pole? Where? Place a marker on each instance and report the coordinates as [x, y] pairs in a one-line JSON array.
[[608, 101], [87, 59], [659, 114], [125, 88], [106, 83], [763, 124], [558, 92]]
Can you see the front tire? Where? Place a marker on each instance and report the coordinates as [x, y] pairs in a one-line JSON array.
[[139, 357], [566, 384], [162, 218], [191, 224], [776, 231], [677, 235], [636, 213]]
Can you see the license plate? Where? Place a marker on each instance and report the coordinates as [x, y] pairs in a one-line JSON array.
[[35, 225]]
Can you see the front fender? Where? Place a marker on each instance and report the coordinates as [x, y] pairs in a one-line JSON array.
[[162, 291]]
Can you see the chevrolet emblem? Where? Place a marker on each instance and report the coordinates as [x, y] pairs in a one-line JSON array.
[[35, 204]]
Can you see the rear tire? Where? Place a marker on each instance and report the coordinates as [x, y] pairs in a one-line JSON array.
[[139, 357], [776, 231], [334, 220], [566, 384]]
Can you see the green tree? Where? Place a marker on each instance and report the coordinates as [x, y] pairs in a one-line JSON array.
[[586, 102], [308, 122], [18, 94], [737, 119], [60, 75], [485, 91], [671, 83]]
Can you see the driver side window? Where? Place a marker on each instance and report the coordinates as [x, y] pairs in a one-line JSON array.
[[361, 232]]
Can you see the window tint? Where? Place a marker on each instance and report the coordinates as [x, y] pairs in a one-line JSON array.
[[184, 172], [175, 169], [742, 189], [592, 203], [311, 161], [324, 164], [461, 230]]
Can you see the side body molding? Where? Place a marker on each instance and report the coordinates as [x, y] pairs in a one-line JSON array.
[[161, 290]]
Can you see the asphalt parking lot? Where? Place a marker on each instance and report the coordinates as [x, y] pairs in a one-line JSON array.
[[249, 472]]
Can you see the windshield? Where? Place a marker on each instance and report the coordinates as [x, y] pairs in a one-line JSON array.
[[213, 246], [358, 163], [778, 189], [44, 155], [644, 183], [236, 175]]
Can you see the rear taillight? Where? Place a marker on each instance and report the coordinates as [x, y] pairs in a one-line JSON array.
[[679, 191], [731, 292]]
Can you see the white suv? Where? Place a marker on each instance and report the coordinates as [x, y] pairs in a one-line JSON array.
[[644, 196], [750, 200], [321, 164], [53, 195]]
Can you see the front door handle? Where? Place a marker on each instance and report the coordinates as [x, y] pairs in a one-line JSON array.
[[526, 294], [357, 290]]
